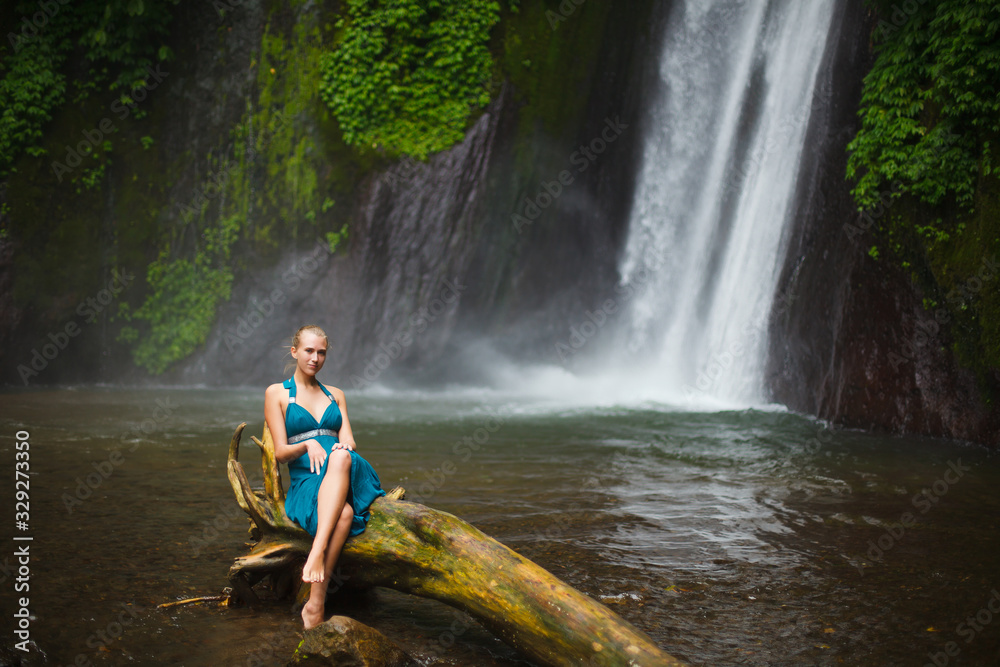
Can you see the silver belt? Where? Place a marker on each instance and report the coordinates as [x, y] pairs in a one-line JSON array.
[[310, 434]]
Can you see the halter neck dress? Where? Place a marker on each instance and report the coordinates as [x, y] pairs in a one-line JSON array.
[[300, 502]]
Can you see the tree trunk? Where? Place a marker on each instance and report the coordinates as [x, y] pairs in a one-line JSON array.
[[433, 554]]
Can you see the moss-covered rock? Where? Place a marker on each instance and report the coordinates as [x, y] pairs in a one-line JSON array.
[[343, 642]]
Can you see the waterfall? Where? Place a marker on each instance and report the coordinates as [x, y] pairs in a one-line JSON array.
[[714, 194]]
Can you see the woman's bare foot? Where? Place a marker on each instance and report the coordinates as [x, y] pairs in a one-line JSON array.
[[312, 615], [313, 570]]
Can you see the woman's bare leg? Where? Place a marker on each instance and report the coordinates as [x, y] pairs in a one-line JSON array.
[[314, 609], [329, 505], [337, 539]]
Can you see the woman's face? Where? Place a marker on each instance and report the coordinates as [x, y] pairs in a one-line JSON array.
[[310, 355]]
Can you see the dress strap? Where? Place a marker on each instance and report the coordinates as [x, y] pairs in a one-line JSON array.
[[289, 384], [328, 394]]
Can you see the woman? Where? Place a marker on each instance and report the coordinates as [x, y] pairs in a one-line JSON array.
[[331, 486]]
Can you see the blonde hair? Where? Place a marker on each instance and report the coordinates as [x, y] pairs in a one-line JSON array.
[[309, 328]]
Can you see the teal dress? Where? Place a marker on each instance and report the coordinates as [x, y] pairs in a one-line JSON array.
[[300, 502]]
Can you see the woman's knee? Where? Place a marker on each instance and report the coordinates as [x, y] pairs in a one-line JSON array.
[[340, 460], [347, 514]]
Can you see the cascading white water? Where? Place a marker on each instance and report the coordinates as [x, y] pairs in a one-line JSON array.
[[714, 193]]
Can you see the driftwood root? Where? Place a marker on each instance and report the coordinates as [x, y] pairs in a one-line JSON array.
[[433, 554]]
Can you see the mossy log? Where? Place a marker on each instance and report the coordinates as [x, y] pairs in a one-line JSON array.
[[433, 554]]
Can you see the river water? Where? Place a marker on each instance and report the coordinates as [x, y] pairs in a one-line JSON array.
[[753, 537]]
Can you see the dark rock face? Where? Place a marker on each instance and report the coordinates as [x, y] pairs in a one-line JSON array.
[[433, 257], [854, 344], [10, 314], [435, 260], [898, 375], [393, 297], [421, 236], [344, 642], [549, 250]]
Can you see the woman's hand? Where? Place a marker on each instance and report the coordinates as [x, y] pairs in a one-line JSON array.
[[346, 443], [317, 455]]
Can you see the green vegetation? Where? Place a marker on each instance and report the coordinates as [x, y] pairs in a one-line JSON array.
[[30, 89], [334, 239], [428, 67], [179, 311], [548, 62], [931, 103], [925, 154], [272, 193], [406, 75], [123, 37], [289, 169]]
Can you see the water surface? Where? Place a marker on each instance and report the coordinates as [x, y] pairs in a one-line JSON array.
[[753, 537]]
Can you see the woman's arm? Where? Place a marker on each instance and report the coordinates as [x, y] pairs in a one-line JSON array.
[[274, 415], [346, 435]]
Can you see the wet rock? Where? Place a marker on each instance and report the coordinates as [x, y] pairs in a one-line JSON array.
[[344, 642]]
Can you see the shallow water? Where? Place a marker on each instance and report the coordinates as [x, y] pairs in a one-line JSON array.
[[750, 537]]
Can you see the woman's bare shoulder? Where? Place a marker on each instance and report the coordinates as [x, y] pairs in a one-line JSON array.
[[338, 394], [274, 391]]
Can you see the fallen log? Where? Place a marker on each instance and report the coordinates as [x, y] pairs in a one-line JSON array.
[[433, 554]]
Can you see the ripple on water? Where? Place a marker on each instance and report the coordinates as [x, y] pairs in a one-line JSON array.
[[726, 536]]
